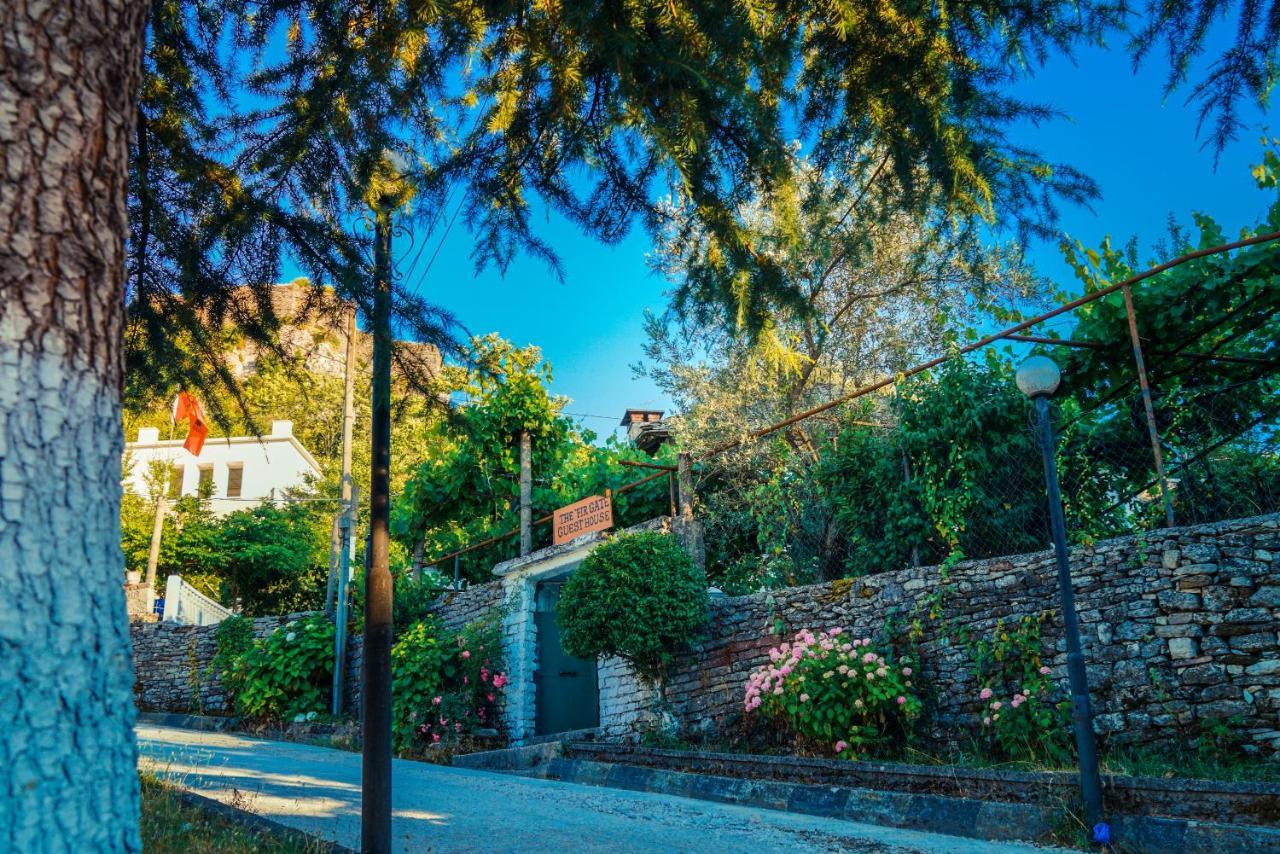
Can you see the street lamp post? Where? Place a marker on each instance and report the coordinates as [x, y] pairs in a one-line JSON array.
[[1038, 378]]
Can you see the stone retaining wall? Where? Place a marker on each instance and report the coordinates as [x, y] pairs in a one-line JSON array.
[[456, 608], [173, 666], [173, 663], [1179, 628]]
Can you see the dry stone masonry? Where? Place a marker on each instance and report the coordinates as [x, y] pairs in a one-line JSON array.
[[174, 670], [1179, 628]]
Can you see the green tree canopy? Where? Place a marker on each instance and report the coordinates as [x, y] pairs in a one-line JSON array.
[[468, 489], [638, 596]]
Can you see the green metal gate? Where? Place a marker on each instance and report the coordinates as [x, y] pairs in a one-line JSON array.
[[568, 695]]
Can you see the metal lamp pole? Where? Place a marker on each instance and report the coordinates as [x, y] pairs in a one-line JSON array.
[[1038, 378]]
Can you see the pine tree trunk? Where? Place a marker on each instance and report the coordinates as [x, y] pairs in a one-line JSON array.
[[69, 74]]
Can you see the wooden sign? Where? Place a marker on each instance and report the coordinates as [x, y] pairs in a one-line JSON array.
[[582, 517]]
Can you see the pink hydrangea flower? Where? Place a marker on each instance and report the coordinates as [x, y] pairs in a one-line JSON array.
[[778, 691], [985, 694], [466, 654], [901, 699], [840, 746], [906, 671], [436, 738], [996, 705], [435, 701], [804, 698], [1044, 671]]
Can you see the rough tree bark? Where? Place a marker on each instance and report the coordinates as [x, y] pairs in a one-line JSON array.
[[69, 73]]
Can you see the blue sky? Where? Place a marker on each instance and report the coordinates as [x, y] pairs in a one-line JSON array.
[[1141, 150]]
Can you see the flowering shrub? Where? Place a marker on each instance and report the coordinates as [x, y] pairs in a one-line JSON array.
[[835, 691], [288, 675], [420, 665], [1022, 716], [447, 685], [1028, 724]]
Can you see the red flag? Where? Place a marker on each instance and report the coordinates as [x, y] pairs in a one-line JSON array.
[[187, 408]]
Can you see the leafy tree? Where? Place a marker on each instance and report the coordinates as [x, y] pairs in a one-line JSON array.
[[1208, 411], [273, 559], [691, 91], [638, 596], [882, 286], [468, 488], [878, 286]]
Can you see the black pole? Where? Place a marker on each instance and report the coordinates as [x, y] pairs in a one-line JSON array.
[[1081, 715], [375, 802]]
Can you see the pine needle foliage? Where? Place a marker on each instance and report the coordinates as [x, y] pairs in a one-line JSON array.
[[502, 112]]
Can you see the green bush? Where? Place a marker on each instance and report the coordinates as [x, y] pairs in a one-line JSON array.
[[420, 665], [1024, 716], [446, 685], [835, 692], [233, 639], [637, 596], [288, 675]]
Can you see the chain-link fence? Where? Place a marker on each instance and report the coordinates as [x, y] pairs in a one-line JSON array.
[[944, 463]]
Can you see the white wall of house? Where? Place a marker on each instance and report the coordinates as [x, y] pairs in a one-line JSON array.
[[269, 465]]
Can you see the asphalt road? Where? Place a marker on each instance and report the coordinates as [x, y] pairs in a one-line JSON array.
[[438, 808]]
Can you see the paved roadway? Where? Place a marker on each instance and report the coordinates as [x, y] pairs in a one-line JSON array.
[[437, 808]]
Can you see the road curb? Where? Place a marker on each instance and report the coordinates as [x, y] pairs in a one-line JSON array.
[[994, 821], [988, 820]]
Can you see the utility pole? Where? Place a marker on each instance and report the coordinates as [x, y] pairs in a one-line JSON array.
[[348, 427], [346, 522], [526, 493], [375, 804], [157, 531]]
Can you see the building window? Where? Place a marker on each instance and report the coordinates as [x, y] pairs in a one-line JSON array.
[[175, 480], [235, 477], [205, 486]]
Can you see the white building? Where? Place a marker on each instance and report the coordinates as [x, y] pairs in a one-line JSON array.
[[240, 470]]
